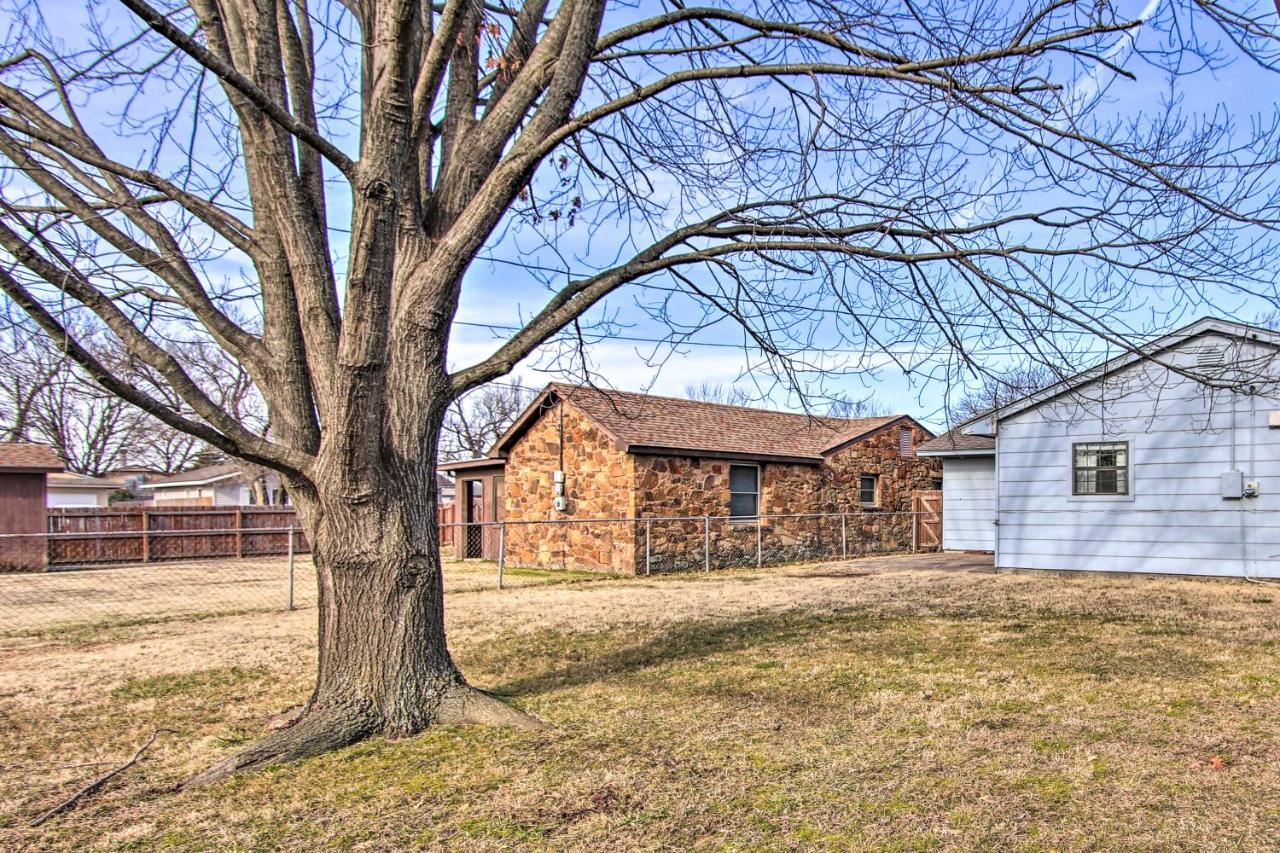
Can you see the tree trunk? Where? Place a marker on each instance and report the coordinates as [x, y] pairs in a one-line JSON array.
[[384, 664]]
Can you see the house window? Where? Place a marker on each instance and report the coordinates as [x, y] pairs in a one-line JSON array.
[[869, 490], [906, 447], [1100, 468], [744, 491]]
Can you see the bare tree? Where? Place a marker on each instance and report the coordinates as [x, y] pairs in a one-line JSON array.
[[27, 371], [477, 419], [857, 407], [855, 183], [46, 397], [716, 392], [834, 405], [1001, 389]]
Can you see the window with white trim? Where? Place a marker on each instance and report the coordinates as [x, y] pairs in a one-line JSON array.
[[1100, 468], [744, 491]]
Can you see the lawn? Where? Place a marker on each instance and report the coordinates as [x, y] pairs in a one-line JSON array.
[[889, 703]]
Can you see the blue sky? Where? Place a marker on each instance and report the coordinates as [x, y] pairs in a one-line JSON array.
[[501, 289], [498, 292]]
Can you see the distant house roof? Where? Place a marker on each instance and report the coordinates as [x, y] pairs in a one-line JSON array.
[[645, 423], [958, 443], [196, 477], [21, 458], [71, 480], [470, 465]]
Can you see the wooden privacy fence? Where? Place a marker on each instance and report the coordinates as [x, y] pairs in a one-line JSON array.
[[447, 519], [133, 535]]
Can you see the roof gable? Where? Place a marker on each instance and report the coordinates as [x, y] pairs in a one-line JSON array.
[[1151, 351], [641, 423]]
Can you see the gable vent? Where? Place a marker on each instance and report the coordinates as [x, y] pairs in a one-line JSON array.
[[906, 448], [1210, 356]]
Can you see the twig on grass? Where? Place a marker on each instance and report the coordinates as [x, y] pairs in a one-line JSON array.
[[92, 787]]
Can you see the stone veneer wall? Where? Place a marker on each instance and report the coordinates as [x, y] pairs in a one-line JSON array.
[[602, 481], [879, 454], [598, 484], [668, 486]]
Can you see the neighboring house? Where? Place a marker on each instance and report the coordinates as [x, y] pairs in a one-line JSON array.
[[445, 490], [1132, 466], [23, 469], [129, 478], [580, 453], [68, 489], [224, 484]]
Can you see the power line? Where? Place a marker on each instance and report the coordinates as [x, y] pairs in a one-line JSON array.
[[743, 346]]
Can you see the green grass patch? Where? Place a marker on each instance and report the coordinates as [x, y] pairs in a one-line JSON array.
[[165, 686]]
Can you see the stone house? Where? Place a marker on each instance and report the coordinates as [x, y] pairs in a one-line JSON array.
[[577, 454]]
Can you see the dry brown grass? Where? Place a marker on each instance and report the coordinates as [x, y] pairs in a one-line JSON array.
[[882, 703], [89, 599]]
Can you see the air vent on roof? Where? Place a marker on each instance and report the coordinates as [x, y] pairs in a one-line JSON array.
[[1210, 356]]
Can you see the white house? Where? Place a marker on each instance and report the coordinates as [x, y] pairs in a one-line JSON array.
[[67, 489], [1166, 460], [214, 485]]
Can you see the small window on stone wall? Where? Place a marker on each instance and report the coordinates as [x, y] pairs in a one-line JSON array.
[[869, 490], [744, 491]]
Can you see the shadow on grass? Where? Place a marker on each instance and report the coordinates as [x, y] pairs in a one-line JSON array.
[[532, 664], [572, 659]]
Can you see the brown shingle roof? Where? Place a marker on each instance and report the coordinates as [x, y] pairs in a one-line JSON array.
[[958, 442], [28, 457], [642, 422]]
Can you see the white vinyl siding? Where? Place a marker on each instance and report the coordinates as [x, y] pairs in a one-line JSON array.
[[66, 497], [1181, 439], [969, 504]]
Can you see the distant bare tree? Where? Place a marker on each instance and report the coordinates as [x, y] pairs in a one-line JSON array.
[[46, 397], [716, 392], [475, 421], [847, 185], [1001, 389], [862, 407]]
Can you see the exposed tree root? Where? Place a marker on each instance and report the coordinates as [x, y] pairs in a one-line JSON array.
[[465, 705], [319, 731]]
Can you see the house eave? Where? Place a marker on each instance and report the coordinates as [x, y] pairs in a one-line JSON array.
[[956, 454], [655, 450], [186, 484]]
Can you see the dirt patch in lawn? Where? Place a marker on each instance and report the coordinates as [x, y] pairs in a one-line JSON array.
[[902, 703]]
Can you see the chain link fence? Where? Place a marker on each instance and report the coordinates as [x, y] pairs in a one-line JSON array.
[[60, 579], [659, 545]]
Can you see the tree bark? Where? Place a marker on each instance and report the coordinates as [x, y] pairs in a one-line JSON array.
[[384, 665]]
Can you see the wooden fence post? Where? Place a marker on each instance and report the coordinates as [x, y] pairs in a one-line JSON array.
[[146, 536], [239, 533]]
